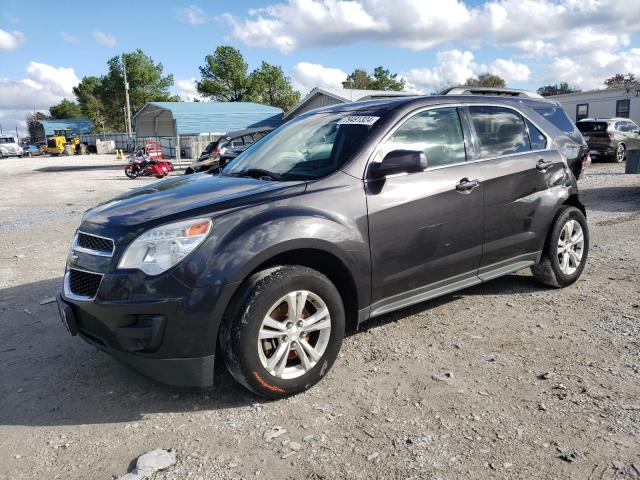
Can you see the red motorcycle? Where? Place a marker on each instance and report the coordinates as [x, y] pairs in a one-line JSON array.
[[141, 165]]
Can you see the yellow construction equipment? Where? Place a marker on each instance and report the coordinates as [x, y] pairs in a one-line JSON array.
[[61, 138]]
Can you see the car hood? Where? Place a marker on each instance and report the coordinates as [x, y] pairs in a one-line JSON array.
[[127, 215]]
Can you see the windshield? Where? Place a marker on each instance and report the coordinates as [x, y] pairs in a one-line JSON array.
[[305, 149], [7, 140], [591, 127]]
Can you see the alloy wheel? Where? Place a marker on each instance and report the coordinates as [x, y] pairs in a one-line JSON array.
[[570, 247], [620, 153], [294, 334]]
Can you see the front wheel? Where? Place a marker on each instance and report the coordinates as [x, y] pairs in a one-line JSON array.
[[621, 153], [283, 331], [565, 252]]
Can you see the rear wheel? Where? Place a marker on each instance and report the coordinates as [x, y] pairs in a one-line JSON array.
[[621, 153], [130, 172], [566, 249], [283, 331]]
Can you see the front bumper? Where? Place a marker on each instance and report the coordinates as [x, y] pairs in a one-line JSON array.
[[168, 334]]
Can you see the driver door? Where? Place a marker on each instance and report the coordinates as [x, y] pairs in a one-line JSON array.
[[425, 228]]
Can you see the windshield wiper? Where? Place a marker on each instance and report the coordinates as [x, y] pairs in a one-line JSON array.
[[257, 173]]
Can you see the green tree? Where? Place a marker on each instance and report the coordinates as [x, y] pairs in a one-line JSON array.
[[269, 85], [358, 79], [147, 83], [486, 80], [224, 75], [66, 109], [558, 89], [382, 79], [88, 92], [622, 81]]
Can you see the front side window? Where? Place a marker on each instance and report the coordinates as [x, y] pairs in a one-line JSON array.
[[500, 131], [582, 111], [437, 133], [306, 148], [622, 108]]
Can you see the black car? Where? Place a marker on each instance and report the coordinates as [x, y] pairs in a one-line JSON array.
[[210, 156], [341, 215], [610, 138]]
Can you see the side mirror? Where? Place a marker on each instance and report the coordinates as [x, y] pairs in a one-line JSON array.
[[399, 161]]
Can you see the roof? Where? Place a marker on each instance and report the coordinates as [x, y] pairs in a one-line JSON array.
[[214, 117], [77, 125], [247, 131], [348, 95]]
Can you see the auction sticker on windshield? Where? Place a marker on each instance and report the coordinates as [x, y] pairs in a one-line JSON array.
[[358, 120]]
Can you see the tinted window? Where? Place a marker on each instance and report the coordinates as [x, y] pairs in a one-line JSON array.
[[582, 111], [500, 131], [435, 132], [247, 139], [537, 138], [622, 108], [622, 126], [592, 127], [558, 117]]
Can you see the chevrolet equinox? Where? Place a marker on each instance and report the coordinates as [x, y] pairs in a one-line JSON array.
[[343, 214]]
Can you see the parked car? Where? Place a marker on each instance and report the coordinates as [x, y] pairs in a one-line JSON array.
[[9, 147], [31, 150], [343, 214], [610, 138], [211, 154]]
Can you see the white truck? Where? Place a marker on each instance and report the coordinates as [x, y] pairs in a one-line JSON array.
[[9, 147]]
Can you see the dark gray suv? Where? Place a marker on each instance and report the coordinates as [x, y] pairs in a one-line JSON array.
[[341, 215]]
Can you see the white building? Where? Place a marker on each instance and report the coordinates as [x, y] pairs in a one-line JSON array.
[[612, 102]]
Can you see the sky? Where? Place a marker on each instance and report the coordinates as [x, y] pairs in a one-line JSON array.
[[45, 50]]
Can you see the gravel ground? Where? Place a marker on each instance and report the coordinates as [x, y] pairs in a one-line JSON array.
[[504, 380]]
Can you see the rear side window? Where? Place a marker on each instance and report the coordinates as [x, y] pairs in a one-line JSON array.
[[537, 138], [500, 131], [437, 133], [558, 117], [592, 127]]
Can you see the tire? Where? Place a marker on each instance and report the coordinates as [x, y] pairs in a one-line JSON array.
[[552, 269], [128, 171], [247, 357], [159, 176], [621, 153]]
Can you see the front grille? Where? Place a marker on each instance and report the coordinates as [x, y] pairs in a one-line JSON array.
[[98, 244], [84, 284]]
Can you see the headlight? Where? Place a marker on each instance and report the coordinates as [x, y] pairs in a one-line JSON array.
[[159, 249]]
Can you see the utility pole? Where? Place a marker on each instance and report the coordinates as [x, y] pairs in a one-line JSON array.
[[126, 95]]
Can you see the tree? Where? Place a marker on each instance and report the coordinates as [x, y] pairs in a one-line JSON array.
[[224, 75], [32, 124], [88, 93], [66, 109], [146, 84], [269, 85], [622, 81], [486, 80], [382, 79], [559, 89], [358, 79]]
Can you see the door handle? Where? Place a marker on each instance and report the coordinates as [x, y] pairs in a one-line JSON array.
[[542, 164], [466, 186]]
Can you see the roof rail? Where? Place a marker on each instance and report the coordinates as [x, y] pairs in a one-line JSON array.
[[503, 92]]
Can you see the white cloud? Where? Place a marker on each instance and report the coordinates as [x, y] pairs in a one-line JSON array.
[[105, 39], [186, 90], [453, 67], [10, 40], [193, 15], [509, 70], [306, 76], [67, 37], [43, 86]]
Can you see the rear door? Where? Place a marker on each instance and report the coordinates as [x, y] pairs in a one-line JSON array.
[[632, 135], [518, 173]]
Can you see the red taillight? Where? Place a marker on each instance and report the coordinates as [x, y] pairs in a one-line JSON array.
[[215, 152], [586, 160]]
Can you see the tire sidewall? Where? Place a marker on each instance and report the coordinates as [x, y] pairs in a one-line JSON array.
[[570, 213], [252, 314]]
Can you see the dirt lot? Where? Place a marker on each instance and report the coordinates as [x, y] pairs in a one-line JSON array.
[[504, 380]]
